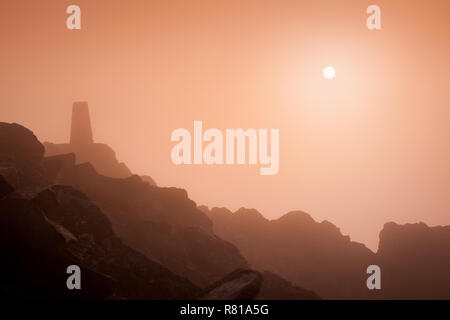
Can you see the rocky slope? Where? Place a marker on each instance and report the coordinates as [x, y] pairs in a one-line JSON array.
[[47, 226], [163, 223], [44, 228]]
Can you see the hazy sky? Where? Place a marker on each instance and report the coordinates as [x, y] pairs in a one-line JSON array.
[[368, 147]]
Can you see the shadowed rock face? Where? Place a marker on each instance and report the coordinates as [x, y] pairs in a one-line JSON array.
[[20, 143], [20, 156], [99, 222], [44, 229], [98, 248], [81, 130]]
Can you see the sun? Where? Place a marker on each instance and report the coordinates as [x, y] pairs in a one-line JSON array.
[[329, 73]]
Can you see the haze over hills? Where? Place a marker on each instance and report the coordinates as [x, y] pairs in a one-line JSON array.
[[135, 240]]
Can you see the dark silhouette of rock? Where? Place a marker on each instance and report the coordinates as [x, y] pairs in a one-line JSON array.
[[60, 227], [100, 155], [241, 284], [307, 253], [53, 166], [44, 229], [276, 288], [163, 223], [414, 261], [20, 157]]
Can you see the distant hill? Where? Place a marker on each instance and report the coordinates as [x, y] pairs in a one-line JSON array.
[[138, 241], [414, 258], [307, 253]]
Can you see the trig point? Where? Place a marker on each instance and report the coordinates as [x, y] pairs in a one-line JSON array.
[[100, 155], [81, 130]]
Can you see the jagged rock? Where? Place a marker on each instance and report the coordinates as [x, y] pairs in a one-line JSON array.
[[149, 180], [241, 284], [308, 254], [100, 155]]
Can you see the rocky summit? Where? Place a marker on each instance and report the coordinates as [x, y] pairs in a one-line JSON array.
[[131, 239]]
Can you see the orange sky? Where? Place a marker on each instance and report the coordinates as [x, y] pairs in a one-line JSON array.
[[368, 147]]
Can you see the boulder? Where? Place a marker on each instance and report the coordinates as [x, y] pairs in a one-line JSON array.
[[20, 143], [241, 284]]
